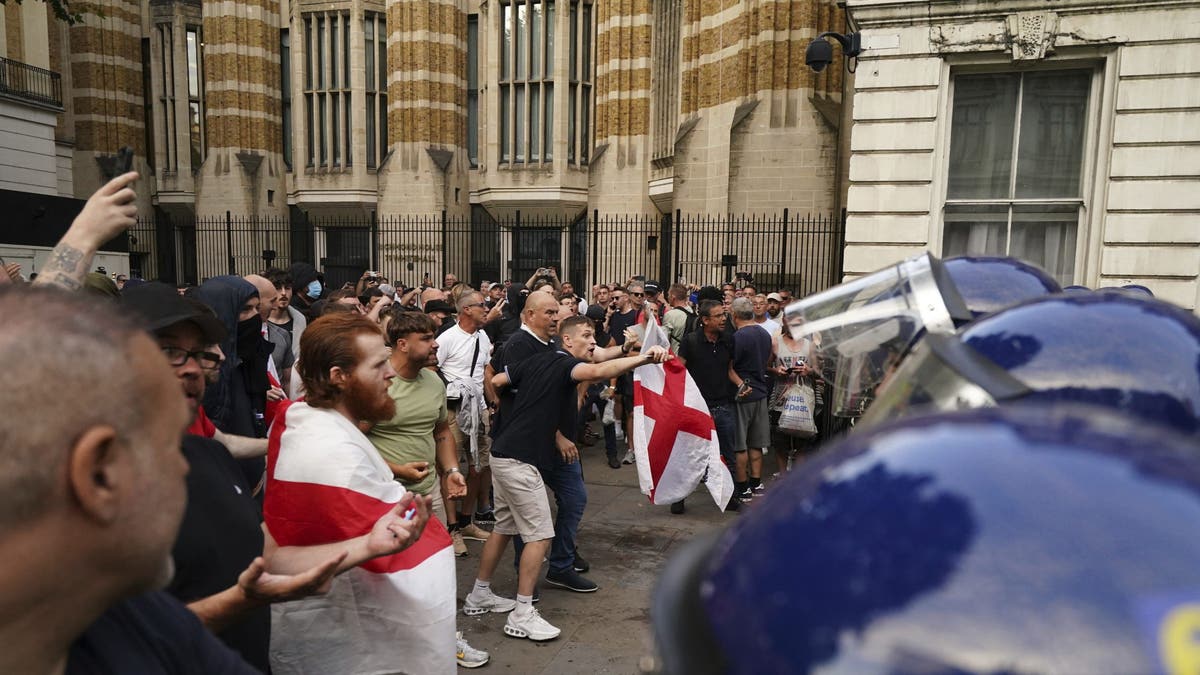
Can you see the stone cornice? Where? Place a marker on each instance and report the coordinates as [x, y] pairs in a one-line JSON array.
[[878, 13]]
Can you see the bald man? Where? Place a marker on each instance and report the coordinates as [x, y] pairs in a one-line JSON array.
[[92, 493]]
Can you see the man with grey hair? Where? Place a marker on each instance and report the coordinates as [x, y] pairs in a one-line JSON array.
[[97, 494], [463, 353], [748, 372]]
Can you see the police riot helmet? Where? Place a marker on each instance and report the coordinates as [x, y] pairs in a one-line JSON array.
[[988, 284], [1120, 351], [1021, 539]]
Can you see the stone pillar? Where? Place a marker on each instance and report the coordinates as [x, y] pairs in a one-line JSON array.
[[243, 171], [106, 91], [623, 74], [427, 96]]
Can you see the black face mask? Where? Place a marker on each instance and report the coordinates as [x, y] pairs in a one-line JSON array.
[[249, 336]]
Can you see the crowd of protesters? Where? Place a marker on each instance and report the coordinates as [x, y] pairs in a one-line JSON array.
[[344, 444]]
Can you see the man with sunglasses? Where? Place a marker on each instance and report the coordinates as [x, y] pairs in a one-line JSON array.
[[224, 584]]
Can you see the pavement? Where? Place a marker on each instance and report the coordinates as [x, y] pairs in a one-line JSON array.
[[626, 540]]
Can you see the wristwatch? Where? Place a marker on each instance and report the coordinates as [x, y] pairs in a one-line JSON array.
[[453, 469]]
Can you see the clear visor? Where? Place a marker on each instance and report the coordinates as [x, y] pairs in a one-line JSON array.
[[941, 374], [862, 329]]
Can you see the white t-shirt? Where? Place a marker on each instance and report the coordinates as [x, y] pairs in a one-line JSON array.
[[771, 326], [456, 347]]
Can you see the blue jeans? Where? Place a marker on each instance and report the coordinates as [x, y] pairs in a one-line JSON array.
[[725, 420], [566, 480], [610, 430]]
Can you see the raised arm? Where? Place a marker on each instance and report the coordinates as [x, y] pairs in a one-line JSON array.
[[107, 213], [586, 372]]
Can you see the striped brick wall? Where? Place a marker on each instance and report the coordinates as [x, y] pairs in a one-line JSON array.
[[623, 30], [106, 77], [241, 75], [427, 57]]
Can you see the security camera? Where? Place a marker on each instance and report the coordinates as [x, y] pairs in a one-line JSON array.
[[818, 55]]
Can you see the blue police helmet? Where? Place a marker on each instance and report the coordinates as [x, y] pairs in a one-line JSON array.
[[989, 284], [1126, 352], [1022, 539], [1076, 289]]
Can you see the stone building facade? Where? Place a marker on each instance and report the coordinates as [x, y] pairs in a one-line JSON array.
[[1066, 133]]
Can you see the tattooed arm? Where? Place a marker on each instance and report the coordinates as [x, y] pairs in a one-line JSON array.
[[109, 211]]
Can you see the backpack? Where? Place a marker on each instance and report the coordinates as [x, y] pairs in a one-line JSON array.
[[692, 319]]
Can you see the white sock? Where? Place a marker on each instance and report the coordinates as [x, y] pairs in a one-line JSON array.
[[481, 588], [524, 604]]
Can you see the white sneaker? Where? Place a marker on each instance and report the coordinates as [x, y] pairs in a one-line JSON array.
[[482, 604], [468, 656], [629, 458], [531, 626]]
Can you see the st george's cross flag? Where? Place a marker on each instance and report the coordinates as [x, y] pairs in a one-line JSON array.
[[326, 483], [674, 438]]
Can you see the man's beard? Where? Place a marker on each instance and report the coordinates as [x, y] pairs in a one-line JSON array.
[[364, 402]]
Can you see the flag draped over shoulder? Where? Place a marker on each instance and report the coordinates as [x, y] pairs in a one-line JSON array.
[[674, 438], [326, 483]]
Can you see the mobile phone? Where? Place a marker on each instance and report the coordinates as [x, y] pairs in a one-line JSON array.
[[124, 160]]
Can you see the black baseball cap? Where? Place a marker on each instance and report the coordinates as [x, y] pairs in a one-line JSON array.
[[653, 287], [155, 306]]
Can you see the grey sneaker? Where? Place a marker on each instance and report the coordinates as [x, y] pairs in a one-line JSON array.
[[474, 532], [531, 626], [629, 458], [468, 656], [460, 546], [482, 604]]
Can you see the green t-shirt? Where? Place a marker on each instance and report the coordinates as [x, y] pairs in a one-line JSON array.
[[408, 436]]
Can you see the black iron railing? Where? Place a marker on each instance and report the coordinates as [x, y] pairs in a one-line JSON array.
[[23, 81], [801, 253]]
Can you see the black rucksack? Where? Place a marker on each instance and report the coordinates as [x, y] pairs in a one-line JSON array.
[[691, 321]]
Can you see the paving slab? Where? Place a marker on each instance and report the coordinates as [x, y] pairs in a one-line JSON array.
[[627, 540]]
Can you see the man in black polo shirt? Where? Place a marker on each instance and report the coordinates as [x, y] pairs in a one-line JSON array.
[[546, 385], [536, 336], [707, 353]]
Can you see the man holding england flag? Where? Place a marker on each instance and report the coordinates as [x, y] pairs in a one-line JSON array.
[[675, 439]]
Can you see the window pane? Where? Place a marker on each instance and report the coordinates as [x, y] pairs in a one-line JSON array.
[[1053, 117], [573, 93], [322, 130], [384, 141], [312, 125], [285, 64], [981, 136], [535, 40], [549, 41], [371, 113], [548, 122], [369, 53], [522, 43], [345, 51], [194, 122], [320, 64], [1045, 236], [573, 42], [346, 118], [535, 131], [383, 69], [975, 230], [472, 52], [585, 129], [519, 117], [505, 40], [505, 103], [586, 75], [193, 58], [337, 129], [473, 127], [308, 54]]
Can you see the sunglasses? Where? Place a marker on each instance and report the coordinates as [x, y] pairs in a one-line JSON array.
[[638, 295]]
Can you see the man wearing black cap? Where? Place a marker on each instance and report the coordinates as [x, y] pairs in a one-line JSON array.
[[442, 314], [225, 584]]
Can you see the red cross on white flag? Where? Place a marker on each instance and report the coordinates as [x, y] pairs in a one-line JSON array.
[[674, 439]]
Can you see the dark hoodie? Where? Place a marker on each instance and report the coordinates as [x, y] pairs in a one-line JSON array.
[[235, 403], [509, 322], [302, 275]]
